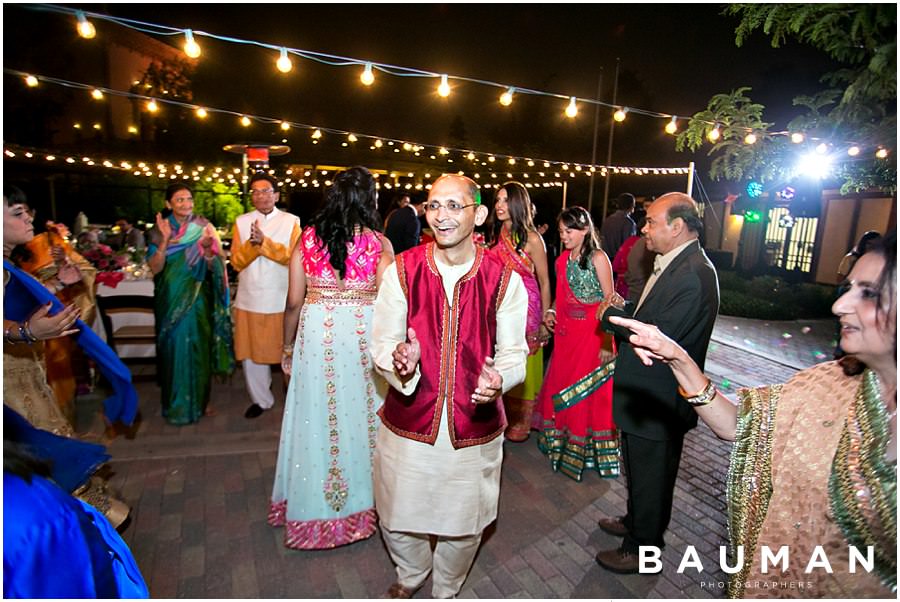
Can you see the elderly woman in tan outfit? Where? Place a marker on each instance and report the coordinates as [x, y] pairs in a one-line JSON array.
[[814, 464]]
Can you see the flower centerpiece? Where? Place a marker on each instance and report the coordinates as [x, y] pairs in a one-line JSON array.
[[109, 264]]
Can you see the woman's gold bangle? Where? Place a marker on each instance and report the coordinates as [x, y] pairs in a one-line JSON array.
[[702, 398]]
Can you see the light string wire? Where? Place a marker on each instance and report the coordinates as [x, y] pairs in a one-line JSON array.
[[396, 70], [442, 150]]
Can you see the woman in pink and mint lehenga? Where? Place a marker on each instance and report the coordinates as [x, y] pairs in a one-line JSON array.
[[323, 477]]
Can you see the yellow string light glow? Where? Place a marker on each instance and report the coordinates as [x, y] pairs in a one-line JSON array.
[[881, 153], [152, 106], [284, 62], [714, 134], [96, 94], [572, 109], [31, 81], [245, 121], [797, 137], [317, 134], [444, 88], [285, 126], [672, 126], [619, 115], [367, 77], [132, 129], [750, 138], [853, 151], [85, 28], [507, 97], [352, 138], [201, 113], [191, 47]]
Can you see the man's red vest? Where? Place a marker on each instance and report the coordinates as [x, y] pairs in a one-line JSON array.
[[454, 341]]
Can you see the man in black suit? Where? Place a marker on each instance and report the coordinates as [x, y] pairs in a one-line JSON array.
[[682, 299], [402, 226]]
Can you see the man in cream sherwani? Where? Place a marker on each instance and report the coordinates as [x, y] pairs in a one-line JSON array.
[[449, 336], [261, 249]]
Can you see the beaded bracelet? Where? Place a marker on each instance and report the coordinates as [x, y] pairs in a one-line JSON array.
[[25, 331], [702, 398], [7, 336]]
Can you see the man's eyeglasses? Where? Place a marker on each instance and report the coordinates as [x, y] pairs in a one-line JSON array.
[[259, 191], [452, 207]]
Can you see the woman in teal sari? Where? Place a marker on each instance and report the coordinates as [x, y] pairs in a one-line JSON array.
[[193, 323]]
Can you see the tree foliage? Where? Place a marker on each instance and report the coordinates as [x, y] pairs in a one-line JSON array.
[[857, 106]]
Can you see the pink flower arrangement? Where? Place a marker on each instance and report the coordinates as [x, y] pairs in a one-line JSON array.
[[105, 259]]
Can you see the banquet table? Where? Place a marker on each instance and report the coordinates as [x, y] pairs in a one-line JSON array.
[[142, 287]]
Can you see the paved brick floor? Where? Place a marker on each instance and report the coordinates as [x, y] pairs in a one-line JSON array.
[[199, 497]]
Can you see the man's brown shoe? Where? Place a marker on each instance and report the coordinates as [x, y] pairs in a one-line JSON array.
[[613, 526], [398, 591], [618, 561]]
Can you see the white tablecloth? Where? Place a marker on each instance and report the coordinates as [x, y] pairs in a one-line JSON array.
[[127, 287]]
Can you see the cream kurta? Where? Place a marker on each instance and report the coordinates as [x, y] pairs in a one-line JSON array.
[[422, 488]]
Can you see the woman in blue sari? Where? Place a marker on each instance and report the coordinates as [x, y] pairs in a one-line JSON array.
[[193, 323]]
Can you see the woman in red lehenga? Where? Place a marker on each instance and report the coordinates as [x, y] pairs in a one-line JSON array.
[[520, 245], [574, 408]]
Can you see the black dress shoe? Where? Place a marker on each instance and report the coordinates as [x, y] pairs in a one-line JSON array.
[[253, 411], [613, 526]]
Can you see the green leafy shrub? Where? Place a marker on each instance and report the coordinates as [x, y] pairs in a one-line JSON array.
[[772, 298]]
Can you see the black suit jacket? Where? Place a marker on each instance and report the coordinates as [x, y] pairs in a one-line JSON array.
[[683, 303], [403, 228]]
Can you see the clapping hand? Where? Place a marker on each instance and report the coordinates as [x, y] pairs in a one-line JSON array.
[[407, 355], [490, 383], [44, 326], [165, 228], [256, 235]]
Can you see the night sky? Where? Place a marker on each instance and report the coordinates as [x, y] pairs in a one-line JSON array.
[[673, 59]]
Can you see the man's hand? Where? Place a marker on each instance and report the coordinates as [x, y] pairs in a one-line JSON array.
[[407, 355], [490, 383], [256, 234]]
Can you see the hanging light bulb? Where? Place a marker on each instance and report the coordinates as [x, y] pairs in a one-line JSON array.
[[201, 112], [152, 106], [352, 138], [316, 134], [86, 29], [672, 126], [853, 151], [619, 115], [881, 153], [367, 77], [31, 81], [444, 89], [797, 137], [379, 144], [96, 94], [750, 138], [506, 97], [572, 109], [714, 134], [245, 121], [284, 62], [285, 125], [822, 148], [191, 48]]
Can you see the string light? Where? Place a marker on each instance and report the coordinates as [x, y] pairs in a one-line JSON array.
[[619, 115], [31, 81], [797, 137], [881, 153], [352, 138], [853, 151], [85, 28], [191, 47], [317, 134], [152, 106], [506, 97], [822, 148], [444, 88], [284, 62], [201, 113], [750, 138], [245, 121], [285, 126], [572, 109], [714, 134], [672, 126], [367, 77], [96, 94], [132, 129]]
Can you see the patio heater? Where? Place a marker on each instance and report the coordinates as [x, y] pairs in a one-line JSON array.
[[255, 155]]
